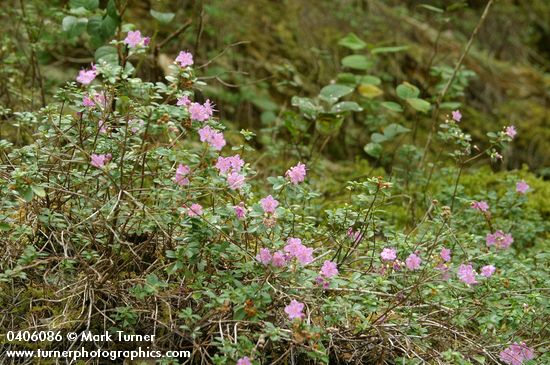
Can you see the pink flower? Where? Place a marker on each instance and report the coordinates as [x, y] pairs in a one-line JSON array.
[[294, 309], [388, 254], [304, 255], [482, 205], [85, 77], [146, 41], [355, 236], [319, 280], [279, 259], [329, 269], [499, 239], [467, 274], [212, 137], [194, 210], [516, 354], [269, 204], [240, 210], [488, 271], [235, 181], [413, 262], [133, 39], [100, 160], [100, 100], [457, 116], [293, 245], [183, 101], [264, 256], [184, 59], [181, 175], [297, 173], [201, 112], [88, 102], [233, 164], [295, 248], [522, 187], [445, 254], [445, 275], [102, 125], [510, 131], [244, 361]]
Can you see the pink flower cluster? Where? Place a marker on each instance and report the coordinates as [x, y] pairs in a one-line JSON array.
[[277, 259], [182, 173], [229, 164], [297, 173], [134, 39], [413, 262], [183, 101], [388, 254], [295, 248], [328, 271], [212, 137], [456, 115], [482, 205], [244, 361], [184, 59], [510, 131], [499, 239], [94, 100], [294, 310], [240, 210], [522, 187], [269, 204], [194, 210], [85, 77], [100, 160], [516, 354], [467, 274], [201, 112], [445, 254]]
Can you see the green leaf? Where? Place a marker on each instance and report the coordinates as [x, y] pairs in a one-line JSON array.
[[389, 49], [306, 106], [108, 54], [26, 193], [73, 26], [352, 42], [370, 80], [419, 104], [394, 129], [373, 149], [86, 4], [346, 106], [163, 18], [4, 226], [394, 107], [334, 92], [39, 190], [406, 91], [347, 78], [112, 10], [357, 62], [377, 138], [108, 27]]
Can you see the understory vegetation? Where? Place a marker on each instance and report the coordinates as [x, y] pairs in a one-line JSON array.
[[354, 182]]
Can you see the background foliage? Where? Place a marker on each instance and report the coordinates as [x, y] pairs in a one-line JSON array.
[[351, 88]]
